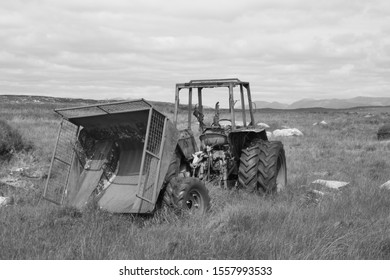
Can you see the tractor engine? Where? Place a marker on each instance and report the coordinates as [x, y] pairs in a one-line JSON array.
[[214, 161]]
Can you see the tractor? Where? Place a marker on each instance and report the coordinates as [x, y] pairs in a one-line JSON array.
[[127, 157], [233, 149]]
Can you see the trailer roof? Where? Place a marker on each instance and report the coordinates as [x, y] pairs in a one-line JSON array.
[[103, 109]]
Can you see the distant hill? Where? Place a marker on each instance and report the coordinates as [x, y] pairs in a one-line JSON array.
[[24, 99], [360, 101], [273, 105], [64, 102]]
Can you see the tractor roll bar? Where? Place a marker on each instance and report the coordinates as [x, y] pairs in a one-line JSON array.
[[212, 83]]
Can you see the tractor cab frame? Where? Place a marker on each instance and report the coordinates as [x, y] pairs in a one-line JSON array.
[[213, 83]]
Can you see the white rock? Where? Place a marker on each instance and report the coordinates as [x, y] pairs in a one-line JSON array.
[[331, 184], [240, 123], [262, 125], [4, 200], [318, 192], [269, 134], [323, 123], [287, 132], [385, 186]]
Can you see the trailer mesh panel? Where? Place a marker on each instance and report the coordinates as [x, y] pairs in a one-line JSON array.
[[61, 163]]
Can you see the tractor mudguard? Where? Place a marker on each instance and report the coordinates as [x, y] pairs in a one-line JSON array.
[[239, 139]]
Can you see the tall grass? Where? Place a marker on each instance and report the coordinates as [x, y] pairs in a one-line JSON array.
[[11, 141], [350, 224]]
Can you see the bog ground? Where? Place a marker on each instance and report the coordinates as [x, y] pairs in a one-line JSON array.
[[299, 223]]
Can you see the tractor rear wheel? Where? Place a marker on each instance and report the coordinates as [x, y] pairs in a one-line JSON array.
[[272, 170], [187, 193], [247, 171]]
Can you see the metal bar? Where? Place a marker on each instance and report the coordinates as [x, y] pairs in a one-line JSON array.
[[200, 106], [216, 80], [231, 106], [177, 100], [103, 114], [144, 154], [152, 154], [51, 200], [103, 110], [103, 104], [64, 162], [243, 105], [52, 160], [143, 198], [250, 105], [70, 169], [159, 162], [189, 107], [200, 103]]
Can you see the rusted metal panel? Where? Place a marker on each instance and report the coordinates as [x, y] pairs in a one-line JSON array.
[[120, 194], [91, 175], [187, 143]]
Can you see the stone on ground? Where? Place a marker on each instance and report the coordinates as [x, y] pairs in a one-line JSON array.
[[385, 186], [287, 132], [262, 125], [5, 200], [331, 184]]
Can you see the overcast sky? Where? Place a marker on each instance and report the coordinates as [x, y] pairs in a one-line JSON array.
[[287, 50]]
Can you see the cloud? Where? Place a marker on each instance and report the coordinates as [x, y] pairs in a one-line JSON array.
[[344, 70], [288, 50]]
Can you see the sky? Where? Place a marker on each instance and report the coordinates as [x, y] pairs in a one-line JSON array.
[[288, 49]]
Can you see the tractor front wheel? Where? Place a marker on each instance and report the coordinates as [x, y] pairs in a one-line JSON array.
[[188, 194]]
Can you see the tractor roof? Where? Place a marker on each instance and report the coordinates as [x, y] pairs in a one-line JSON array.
[[211, 83]]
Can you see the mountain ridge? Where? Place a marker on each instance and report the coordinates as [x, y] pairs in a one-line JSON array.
[[333, 103]]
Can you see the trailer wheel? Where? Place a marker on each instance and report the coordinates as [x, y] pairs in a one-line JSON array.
[[272, 170], [187, 194], [247, 171]]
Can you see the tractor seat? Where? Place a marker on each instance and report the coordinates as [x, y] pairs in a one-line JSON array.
[[213, 136]]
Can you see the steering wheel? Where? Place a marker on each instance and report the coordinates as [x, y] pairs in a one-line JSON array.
[[225, 120]]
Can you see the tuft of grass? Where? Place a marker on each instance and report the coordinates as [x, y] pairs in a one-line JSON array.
[[11, 141]]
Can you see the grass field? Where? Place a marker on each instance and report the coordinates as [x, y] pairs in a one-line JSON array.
[[353, 223]]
